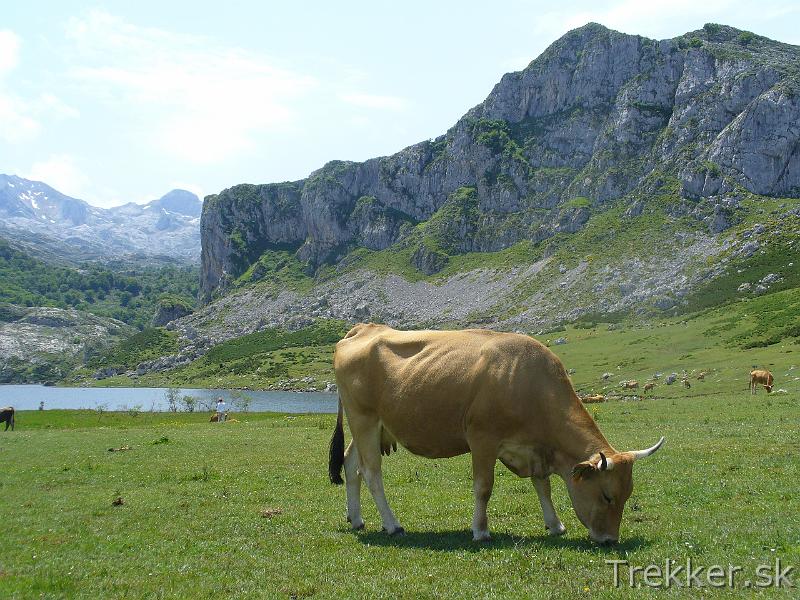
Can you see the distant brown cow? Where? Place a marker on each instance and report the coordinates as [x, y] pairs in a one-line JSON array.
[[592, 398], [630, 385], [7, 417], [761, 376], [649, 386]]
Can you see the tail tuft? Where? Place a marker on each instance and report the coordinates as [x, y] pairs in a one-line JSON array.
[[336, 451]]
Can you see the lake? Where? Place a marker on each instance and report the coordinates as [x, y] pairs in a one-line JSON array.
[[28, 397]]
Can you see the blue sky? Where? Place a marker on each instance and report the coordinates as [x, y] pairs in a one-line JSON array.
[[121, 101]]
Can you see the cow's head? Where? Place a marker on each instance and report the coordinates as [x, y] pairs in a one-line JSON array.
[[768, 388], [599, 488]]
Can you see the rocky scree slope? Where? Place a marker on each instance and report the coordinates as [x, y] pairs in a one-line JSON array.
[[44, 343]]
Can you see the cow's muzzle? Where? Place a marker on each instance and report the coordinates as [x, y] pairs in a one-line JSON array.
[[603, 539]]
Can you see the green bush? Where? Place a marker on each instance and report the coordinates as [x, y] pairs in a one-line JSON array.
[[145, 345], [746, 37]]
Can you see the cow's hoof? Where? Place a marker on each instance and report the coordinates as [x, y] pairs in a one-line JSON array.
[[397, 531], [481, 536], [358, 525], [557, 530]]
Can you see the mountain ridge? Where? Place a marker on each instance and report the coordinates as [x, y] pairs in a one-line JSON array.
[[598, 117], [167, 226]]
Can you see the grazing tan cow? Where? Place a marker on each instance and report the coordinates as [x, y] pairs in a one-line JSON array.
[[761, 376], [495, 395], [649, 386], [593, 398], [630, 385]]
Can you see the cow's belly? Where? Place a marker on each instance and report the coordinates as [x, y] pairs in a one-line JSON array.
[[427, 423]]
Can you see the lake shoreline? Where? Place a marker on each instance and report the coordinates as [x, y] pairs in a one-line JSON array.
[[28, 397]]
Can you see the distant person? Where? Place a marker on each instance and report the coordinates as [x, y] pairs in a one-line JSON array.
[[220, 410], [41, 405], [7, 417]]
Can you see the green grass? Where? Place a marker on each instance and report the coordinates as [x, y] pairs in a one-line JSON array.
[[256, 361], [277, 269], [723, 490], [145, 345]]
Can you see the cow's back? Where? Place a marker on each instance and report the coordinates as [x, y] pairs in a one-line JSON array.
[[424, 386]]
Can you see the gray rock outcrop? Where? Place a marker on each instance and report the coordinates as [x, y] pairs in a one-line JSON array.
[[598, 117]]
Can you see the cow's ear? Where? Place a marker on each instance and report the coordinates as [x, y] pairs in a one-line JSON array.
[[584, 470]]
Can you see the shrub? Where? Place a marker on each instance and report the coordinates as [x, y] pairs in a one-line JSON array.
[[172, 395], [746, 37], [189, 403], [241, 401]]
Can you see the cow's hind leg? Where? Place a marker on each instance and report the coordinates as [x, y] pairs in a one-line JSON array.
[[352, 477], [551, 520], [367, 435], [483, 461]]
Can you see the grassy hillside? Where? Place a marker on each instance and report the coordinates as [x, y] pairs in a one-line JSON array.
[[264, 359], [123, 291], [245, 510]]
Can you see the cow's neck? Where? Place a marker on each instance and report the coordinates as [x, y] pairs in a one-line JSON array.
[[582, 438]]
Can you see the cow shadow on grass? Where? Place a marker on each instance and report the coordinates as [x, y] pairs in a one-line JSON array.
[[461, 540]]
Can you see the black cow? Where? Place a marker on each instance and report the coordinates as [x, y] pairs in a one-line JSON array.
[[7, 417]]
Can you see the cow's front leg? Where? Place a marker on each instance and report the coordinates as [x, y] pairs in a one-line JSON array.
[[352, 478], [551, 520], [482, 483]]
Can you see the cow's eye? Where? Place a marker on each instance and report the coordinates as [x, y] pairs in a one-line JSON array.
[[606, 498]]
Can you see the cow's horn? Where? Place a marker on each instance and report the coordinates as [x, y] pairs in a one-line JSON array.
[[605, 463], [637, 454]]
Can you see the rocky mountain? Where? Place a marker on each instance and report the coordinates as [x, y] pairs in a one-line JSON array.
[[45, 220], [600, 119], [44, 343], [616, 176]]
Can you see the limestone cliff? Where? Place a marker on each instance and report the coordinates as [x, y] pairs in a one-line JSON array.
[[598, 117]]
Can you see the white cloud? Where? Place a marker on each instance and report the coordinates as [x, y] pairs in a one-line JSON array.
[[20, 117], [374, 101], [190, 97], [16, 125], [9, 51], [61, 172], [51, 105]]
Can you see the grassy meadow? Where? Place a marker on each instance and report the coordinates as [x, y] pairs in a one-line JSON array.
[[244, 509]]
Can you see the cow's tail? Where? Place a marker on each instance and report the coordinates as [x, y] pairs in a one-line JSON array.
[[336, 452]]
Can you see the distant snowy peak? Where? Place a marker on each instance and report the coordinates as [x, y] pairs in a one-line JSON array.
[[36, 200], [168, 226], [181, 202]]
